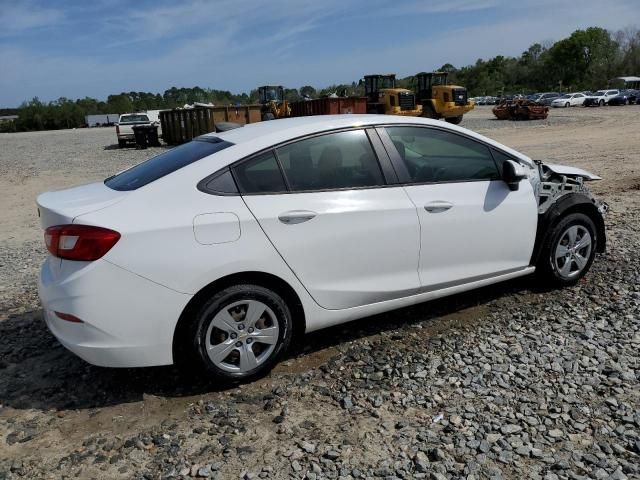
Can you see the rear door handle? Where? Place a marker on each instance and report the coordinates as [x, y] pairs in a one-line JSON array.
[[438, 206], [296, 216]]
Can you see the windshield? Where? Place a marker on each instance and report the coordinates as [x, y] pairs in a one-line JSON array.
[[165, 163], [386, 82], [271, 94], [566, 95], [133, 119], [599, 93]]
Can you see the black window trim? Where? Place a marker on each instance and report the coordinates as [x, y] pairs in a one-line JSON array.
[[236, 164], [401, 168], [384, 162], [202, 184]]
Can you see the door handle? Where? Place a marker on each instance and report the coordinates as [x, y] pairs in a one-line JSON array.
[[296, 216], [438, 206]]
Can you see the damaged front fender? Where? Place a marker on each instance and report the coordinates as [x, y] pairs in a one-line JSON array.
[[561, 191], [556, 181]]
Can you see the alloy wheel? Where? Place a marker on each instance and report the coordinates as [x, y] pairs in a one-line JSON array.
[[572, 252], [242, 336]]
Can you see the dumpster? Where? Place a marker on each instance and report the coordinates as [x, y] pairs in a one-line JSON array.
[[329, 106], [183, 124], [146, 136]]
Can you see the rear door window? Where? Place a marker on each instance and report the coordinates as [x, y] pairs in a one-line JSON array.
[[166, 163], [340, 160], [134, 119]]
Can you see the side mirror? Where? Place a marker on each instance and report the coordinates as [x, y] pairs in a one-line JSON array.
[[512, 173]]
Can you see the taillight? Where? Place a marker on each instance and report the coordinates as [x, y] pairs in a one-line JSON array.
[[68, 317], [79, 242]]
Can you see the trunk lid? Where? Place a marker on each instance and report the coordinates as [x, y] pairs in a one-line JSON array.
[[63, 206]]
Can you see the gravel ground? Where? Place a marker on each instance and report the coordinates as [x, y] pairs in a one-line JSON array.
[[511, 381]]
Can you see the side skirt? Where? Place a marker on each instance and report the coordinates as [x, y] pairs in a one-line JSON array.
[[328, 318]]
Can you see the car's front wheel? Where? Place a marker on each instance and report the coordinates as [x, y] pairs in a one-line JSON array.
[[569, 250], [241, 332]]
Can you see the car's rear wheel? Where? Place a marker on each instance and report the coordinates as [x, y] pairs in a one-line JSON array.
[[601, 103], [569, 251], [241, 332], [567, 105]]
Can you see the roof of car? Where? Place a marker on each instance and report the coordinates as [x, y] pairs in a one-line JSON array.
[[266, 134], [298, 126]]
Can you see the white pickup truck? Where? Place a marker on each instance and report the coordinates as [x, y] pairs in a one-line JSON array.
[[126, 122]]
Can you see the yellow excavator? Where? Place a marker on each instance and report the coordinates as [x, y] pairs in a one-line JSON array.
[[384, 97], [438, 99], [274, 105]]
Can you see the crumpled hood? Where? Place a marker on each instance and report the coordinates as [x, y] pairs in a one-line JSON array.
[[572, 171]]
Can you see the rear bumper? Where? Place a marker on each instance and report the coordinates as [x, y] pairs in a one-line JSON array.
[[128, 137], [128, 321]]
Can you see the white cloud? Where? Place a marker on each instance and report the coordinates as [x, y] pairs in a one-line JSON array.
[[16, 18], [421, 7]]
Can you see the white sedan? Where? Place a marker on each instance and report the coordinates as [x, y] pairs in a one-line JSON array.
[[219, 251], [569, 100]]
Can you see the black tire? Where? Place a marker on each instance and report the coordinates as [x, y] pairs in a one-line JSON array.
[[454, 120], [195, 350], [601, 103], [548, 268], [567, 105], [429, 112]]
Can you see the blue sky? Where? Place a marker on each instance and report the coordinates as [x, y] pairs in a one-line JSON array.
[[52, 49]]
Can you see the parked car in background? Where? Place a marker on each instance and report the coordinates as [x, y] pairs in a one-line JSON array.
[[600, 98], [126, 122], [546, 98], [218, 252], [569, 100], [625, 97]]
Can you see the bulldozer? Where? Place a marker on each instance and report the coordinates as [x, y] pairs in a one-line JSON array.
[[438, 99], [274, 105], [383, 96]]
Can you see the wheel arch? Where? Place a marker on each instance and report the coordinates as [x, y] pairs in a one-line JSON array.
[[266, 280], [574, 203]]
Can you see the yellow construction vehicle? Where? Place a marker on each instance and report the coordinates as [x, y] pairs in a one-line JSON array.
[[274, 105], [440, 100], [383, 96]]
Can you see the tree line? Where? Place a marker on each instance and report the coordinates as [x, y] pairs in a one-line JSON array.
[[586, 60]]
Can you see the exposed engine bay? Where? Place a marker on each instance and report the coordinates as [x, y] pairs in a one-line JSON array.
[[556, 181]]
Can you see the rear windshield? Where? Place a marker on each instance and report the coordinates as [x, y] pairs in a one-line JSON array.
[[165, 163], [133, 119]]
